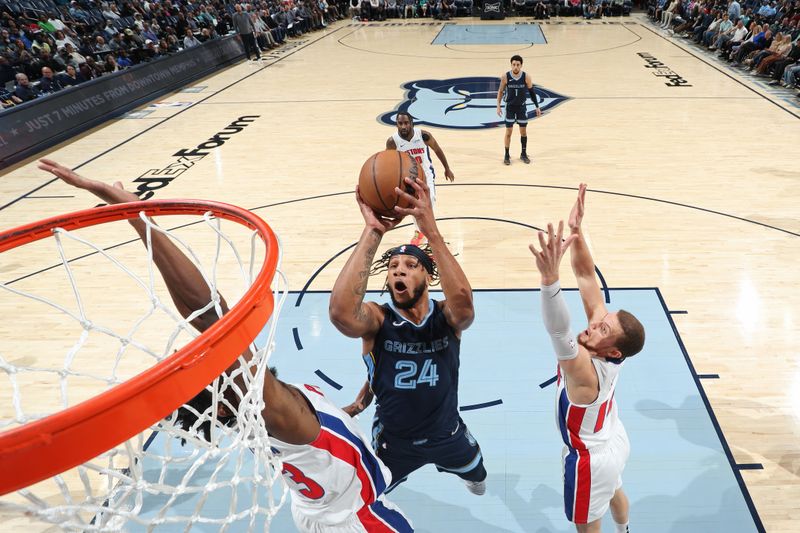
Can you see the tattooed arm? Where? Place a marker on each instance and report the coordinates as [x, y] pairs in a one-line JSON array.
[[347, 309]]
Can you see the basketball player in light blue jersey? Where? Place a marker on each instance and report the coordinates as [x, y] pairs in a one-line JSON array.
[[418, 143]]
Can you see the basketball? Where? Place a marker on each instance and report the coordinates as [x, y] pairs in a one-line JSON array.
[[380, 174]]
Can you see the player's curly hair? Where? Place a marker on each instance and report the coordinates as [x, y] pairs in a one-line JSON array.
[[381, 265]]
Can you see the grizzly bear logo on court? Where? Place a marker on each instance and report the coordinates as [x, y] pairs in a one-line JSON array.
[[461, 103]]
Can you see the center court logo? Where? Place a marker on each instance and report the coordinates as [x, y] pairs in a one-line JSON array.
[[461, 103]]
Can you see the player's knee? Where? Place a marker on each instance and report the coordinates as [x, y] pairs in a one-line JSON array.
[[591, 527]]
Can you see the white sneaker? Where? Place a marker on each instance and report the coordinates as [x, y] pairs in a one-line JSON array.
[[477, 488]]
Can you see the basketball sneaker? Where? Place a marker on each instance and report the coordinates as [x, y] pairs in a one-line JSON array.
[[506, 160], [525, 159], [478, 488], [418, 239]]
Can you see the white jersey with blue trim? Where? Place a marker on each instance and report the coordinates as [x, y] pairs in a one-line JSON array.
[[584, 427], [420, 151], [337, 474]]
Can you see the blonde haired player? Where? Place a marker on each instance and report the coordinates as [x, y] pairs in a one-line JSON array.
[[596, 446], [418, 143], [335, 479]]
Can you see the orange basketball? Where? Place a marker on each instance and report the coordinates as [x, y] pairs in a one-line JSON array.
[[380, 174]]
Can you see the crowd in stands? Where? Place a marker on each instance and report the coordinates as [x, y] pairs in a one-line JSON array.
[[759, 36], [49, 45], [445, 9]]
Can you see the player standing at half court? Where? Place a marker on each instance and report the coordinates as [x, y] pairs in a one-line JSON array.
[[516, 85], [417, 143], [596, 445]]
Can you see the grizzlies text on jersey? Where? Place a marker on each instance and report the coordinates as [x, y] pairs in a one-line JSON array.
[[413, 371]]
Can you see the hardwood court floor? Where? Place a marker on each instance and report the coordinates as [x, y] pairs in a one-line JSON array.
[[692, 190]]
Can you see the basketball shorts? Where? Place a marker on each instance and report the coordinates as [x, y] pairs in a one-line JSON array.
[[592, 477], [380, 517], [456, 452], [518, 114]]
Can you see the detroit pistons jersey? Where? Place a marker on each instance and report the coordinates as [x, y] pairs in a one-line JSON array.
[[413, 371], [584, 427], [516, 89], [417, 149], [337, 475]]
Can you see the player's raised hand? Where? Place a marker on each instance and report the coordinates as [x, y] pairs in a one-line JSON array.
[[66, 174], [576, 215], [111, 194], [421, 208], [373, 220], [548, 259]]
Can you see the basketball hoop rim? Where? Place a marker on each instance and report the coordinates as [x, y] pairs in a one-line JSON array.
[[77, 434]]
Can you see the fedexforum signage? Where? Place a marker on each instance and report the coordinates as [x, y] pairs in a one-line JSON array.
[[156, 179], [672, 79]]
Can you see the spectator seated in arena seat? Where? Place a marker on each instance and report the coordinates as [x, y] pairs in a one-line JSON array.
[[49, 82], [23, 91], [69, 77]]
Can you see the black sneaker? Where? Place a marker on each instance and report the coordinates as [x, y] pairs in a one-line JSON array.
[[525, 159], [506, 160]]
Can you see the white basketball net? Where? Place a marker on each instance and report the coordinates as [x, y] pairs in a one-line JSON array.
[[152, 481]]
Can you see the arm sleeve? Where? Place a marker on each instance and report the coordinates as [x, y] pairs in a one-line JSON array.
[[532, 92], [556, 321]]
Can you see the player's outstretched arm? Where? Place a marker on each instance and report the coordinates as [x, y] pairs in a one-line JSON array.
[[390, 145], [287, 414], [187, 287], [583, 264], [347, 309], [458, 306], [573, 359], [430, 141]]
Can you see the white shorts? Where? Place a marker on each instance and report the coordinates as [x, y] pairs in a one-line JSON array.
[[592, 477], [380, 517]]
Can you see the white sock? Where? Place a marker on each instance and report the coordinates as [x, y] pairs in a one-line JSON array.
[[622, 528]]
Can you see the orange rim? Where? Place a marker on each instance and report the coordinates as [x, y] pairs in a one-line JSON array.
[[44, 448]]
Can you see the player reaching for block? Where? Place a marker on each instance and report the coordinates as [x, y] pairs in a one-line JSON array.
[[335, 480], [596, 445]]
